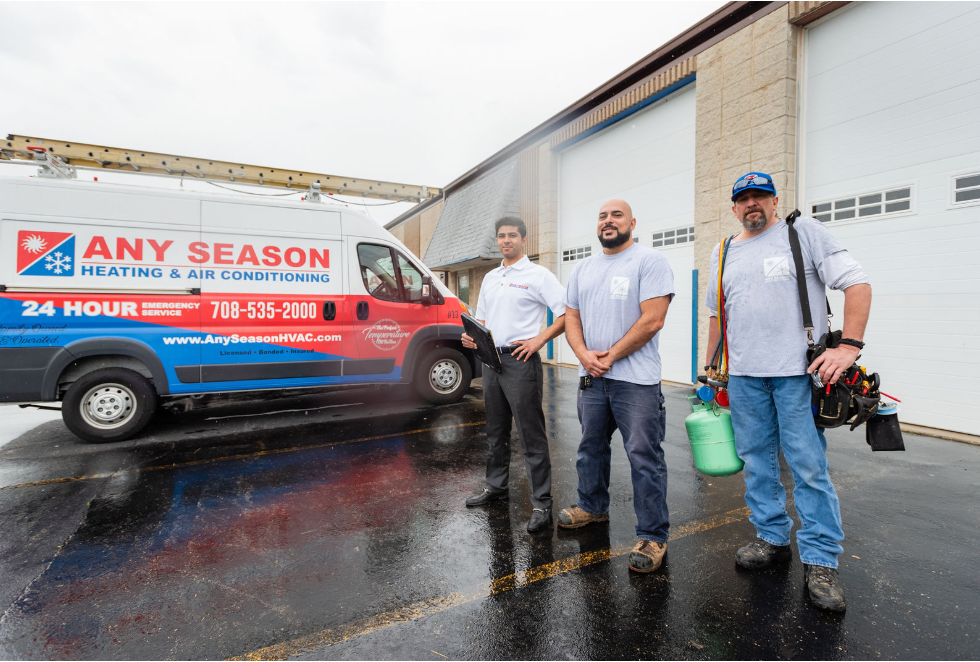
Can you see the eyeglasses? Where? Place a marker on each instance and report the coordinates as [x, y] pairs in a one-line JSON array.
[[751, 181]]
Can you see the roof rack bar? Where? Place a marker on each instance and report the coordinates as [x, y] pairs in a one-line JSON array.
[[87, 155]]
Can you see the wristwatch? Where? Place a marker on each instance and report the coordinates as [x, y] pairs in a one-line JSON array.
[[852, 342]]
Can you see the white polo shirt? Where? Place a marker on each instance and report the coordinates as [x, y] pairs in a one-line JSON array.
[[513, 300]]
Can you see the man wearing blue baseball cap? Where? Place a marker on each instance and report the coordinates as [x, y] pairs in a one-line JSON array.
[[769, 378]]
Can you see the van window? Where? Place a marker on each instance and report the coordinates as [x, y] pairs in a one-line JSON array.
[[389, 275], [411, 280], [378, 272]]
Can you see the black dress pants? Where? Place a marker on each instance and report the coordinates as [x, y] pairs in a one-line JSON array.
[[516, 394]]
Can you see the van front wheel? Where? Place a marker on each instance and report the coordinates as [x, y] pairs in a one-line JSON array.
[[111, 404], [443, 376]]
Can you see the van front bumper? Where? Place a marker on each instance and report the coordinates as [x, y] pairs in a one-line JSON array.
[[22, 371]]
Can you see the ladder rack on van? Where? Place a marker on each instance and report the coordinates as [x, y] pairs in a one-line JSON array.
[[98, 157]]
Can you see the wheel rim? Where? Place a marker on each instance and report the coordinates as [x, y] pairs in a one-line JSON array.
[[108, 406], [445, 376]]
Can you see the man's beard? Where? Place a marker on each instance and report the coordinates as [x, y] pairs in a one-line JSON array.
[[613, 242], [755, 225]]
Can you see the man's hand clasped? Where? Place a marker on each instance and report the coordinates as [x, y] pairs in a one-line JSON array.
[[833, 362], [597, 364], [468, 342]]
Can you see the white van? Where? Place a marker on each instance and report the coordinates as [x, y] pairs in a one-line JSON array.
[[113, 297]]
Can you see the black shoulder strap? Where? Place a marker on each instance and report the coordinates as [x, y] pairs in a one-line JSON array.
[[794, 244]]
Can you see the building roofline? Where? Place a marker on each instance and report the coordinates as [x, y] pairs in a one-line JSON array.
[[417, 209], [702, 35]]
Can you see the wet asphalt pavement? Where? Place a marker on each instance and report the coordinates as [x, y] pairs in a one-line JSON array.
[[332, 526]]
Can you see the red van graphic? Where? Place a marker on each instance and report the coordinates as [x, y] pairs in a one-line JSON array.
[[45, 253]]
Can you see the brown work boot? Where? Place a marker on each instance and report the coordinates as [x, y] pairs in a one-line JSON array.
[[825, 588], [573, 517], [647, 555]]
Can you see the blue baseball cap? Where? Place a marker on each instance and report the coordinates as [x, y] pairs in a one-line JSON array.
[[756, 180]]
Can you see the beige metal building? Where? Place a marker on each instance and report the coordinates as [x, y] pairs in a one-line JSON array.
[[866, 114]]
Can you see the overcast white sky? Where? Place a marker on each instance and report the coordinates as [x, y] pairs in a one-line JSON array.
[[412, 92]]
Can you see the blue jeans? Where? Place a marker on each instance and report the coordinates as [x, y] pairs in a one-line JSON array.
[[770, 414], [638, 411]]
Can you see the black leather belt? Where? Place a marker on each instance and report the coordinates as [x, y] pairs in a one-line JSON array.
[[509, 349]]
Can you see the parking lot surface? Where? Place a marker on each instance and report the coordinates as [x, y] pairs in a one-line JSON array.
[[332, 526]]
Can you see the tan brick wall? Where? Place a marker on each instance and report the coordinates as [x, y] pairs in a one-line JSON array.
[[427, 222], [399, 231], [746, 120], [547, 208], [411, 238], [476, 282]]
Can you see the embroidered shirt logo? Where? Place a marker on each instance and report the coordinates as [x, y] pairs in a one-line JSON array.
[[619, 288], [776, 268], [523, 287]]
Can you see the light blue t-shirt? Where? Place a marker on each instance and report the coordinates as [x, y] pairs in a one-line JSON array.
[[762, 299], [607, 291]]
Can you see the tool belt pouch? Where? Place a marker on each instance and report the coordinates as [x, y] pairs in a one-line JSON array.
[[883, 433], [833, 405]]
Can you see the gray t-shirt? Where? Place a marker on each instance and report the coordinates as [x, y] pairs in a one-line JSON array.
[[762, 300], [607, 291]]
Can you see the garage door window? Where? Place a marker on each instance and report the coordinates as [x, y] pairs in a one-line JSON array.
[[966, 190], [573, 254], [876, 204], [673, 237]]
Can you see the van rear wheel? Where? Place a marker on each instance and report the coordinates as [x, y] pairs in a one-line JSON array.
[[443, 376], [111, 404]]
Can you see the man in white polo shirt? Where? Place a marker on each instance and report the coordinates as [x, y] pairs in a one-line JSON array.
[[512, 303]]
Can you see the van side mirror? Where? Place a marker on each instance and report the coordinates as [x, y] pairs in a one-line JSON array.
[[426, 291]]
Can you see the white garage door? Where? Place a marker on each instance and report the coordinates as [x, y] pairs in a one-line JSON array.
[[646, 159], [892, 164]]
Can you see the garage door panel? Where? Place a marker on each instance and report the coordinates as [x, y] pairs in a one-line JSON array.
[[899, 163], [883, 103], [884, 92], [867, 33], [646, 159], [893, 99]]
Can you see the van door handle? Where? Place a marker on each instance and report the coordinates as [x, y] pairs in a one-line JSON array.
[[362, 310], [329, 310]]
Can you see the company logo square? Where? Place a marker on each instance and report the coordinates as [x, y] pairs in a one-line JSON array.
[[45, 253]]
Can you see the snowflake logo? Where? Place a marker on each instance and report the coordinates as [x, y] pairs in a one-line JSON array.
[[34, 244], [58, 262]]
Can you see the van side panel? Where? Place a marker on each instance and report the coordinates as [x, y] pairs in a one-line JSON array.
[[209, 294], [276, 308]]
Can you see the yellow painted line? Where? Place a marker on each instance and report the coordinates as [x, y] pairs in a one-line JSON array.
[[424, 608], [275, 451]]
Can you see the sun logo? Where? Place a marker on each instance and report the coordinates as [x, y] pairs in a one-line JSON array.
[[34, 244]]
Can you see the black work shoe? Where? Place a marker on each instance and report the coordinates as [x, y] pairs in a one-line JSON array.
[[485, 497], [759, 554], [540, 518], [824, 587]]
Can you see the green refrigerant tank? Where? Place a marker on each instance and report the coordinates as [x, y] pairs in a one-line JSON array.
[[709, 429]]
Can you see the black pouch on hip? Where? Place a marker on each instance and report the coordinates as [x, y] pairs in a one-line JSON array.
[[883, 433]]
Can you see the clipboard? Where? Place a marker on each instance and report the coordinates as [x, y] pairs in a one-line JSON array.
[[486, 349]]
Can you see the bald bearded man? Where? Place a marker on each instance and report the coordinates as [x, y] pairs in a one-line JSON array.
[[615, 306]]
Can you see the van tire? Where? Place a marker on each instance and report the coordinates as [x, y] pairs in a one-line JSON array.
[[128, 402], [443, 376]]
